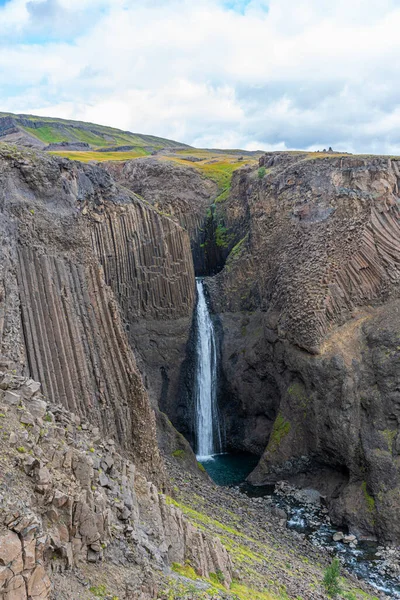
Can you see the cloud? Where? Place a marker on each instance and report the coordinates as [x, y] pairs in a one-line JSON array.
[[241, 73]]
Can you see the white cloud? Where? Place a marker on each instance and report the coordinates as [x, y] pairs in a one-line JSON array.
[[301, 74]]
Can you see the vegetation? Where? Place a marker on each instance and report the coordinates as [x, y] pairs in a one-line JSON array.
[[331, 581], [390, 436], [237, 250], [368, 498], [219, 168], [178, 453], [222, 237], [100, 591], [261, 172], [280, 430], [51, 130], [102, 156]]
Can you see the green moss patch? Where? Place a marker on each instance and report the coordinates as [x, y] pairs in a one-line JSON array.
[[178, 453], [280, 430], [368, 498]]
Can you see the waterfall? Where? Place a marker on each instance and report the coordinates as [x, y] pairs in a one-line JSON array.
[[208, 434]]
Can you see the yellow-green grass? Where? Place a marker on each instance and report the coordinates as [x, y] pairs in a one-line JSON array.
[[102, 156], [219, 169]]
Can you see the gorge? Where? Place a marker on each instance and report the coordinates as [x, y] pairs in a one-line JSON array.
[[191, 303]]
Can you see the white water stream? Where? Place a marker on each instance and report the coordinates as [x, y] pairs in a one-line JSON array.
[[208, 432]]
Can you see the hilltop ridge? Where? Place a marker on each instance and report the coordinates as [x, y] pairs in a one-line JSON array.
[[42, 132]]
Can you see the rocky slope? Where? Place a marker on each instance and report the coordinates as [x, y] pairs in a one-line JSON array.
[[69, 501], [308, 310], [82, 261]]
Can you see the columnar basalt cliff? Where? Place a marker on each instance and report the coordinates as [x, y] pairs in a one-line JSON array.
[[82, 261], [309, 310], [180, 192], [70, 336]]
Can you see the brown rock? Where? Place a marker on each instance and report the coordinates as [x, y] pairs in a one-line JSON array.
[[39, 584]]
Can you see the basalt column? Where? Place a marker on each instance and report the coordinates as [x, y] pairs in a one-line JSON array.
[[147, 261]]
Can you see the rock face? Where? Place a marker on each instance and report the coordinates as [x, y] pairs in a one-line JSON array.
[[308, 307], [147, 261], [84, 265], [68, 498], [180, 192], [71, 336]]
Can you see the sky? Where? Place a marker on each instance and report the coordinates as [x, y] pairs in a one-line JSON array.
[[249, 74]]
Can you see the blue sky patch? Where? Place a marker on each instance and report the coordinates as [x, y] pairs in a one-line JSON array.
[[240, 6]]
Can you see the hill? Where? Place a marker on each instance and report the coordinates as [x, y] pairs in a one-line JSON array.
[[53, 134]]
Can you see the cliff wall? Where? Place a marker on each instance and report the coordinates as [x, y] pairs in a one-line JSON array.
[[309, 320]]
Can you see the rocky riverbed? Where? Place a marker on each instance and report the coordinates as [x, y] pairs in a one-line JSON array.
[[263, 549]]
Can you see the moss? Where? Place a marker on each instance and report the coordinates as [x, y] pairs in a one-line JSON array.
[[389, 435], [222, 237], [223, 196], [368, 498], [243, 592], [280, 430], [202, 519], [21, 449], [201, 467], [237, 250], [100, 591], [178, 453], [185, 570]]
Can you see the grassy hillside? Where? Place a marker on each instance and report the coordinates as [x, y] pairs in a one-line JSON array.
[[50, 130]]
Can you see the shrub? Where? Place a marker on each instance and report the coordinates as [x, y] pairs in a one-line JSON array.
[[331, 579], [261, 172]]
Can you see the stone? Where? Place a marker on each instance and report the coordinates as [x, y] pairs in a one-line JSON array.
[[38, 408], [16, 589], [27, 419], [39, 584], [30, 388], [349, 539], [29, 554], [103, 480], [11, 552], [59, 499], [12, 398], [13, 439], [43, 476], [338, 536], [5, 575]]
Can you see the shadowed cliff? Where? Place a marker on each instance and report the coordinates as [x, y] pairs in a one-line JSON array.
[[308, 304]]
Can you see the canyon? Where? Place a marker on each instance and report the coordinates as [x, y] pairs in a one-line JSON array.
[[299, 256]]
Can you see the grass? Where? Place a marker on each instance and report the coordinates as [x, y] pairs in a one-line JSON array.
[[53, 130], [218, 168], [47, 134], [102, 156]]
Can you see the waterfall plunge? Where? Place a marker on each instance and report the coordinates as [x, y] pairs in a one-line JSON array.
[[208, 434]]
